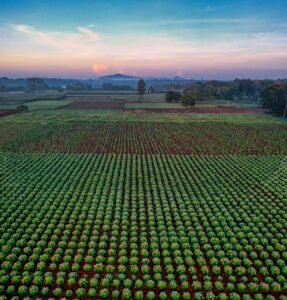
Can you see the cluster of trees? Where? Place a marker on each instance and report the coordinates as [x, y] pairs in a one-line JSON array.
[[274, 97], [36, 84], [79, 86], [238, 90], [271, 94], [111, 87], [187, 99]]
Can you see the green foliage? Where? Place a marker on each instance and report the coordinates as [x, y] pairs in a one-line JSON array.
[[22, 108], [171, 96], [183, 220], [188, 100], [141, 88], [275, 98]]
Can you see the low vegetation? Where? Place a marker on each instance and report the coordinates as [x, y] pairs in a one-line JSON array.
[[147, 138], [160, 226]]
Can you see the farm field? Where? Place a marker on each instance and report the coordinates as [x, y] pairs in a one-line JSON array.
[[114, 116], [46, 104], [95, 105], [105, 204], [143, 226], [10, 100], [145, 138]]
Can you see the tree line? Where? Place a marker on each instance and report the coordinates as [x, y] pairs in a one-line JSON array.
[[271, 94]]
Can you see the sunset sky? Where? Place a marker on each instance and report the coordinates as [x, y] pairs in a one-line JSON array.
[[208, 39]]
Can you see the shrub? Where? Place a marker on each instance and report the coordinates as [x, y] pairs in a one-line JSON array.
[[22, 108], [172, 96]]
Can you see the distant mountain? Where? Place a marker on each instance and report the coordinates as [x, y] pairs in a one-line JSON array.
[[118, 77]]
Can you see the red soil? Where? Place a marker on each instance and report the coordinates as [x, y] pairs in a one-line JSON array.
[[7, 112]]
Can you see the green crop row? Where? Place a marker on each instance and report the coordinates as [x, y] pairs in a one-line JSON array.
[[145, 138], [143, 226]]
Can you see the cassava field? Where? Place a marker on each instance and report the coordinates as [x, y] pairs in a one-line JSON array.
[[110, 204]]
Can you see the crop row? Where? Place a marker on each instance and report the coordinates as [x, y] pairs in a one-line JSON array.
[[146, 138], [210, 139], [42, 137], [143, 226]]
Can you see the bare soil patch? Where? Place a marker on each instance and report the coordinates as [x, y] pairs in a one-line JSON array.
[[7, 112]]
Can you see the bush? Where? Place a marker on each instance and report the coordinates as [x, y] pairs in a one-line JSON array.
[[150, 295], [104, 293], [33, 290], [139, 295], [126, 294], [22, 108], [116, 294], [22, 290], [188, 100], [80, 292], [92, 292], [172, 96]]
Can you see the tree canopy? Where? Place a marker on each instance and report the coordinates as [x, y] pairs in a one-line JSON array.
[[22, 108], [172, 96], [188, 100], [274, 97]]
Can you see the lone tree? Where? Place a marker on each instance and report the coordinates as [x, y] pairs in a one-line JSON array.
[[188, 100], [172, 96], [141, 89]]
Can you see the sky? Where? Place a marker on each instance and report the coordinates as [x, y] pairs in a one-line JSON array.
[[207, 39]]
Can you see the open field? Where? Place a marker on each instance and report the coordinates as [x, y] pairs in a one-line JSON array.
[[12, 99], [155, 105], [134, 226], [94, 105], [161, 104], [46, 104]]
